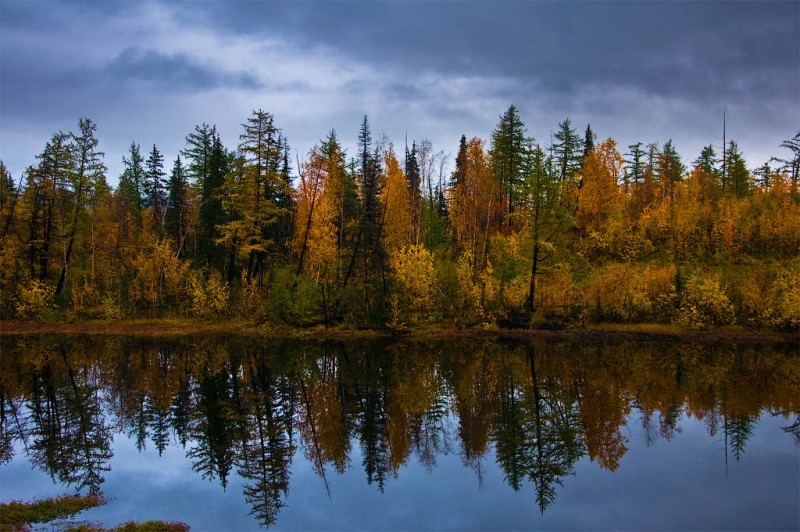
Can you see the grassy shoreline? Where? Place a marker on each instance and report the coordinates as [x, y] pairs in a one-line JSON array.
[[595, 332]]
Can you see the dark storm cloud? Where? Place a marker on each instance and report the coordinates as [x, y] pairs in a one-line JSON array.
[[636, 70], [692, 49], [171, 71]]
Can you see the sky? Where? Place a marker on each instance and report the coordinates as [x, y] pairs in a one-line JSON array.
[[148, 72]]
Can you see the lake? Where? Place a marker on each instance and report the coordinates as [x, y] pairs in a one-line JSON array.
[[240, 433]]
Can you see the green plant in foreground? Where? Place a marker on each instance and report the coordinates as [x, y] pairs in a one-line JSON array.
[[18, 515], [42, 511]]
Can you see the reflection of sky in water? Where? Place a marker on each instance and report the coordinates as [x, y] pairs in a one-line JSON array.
[[677, 484]]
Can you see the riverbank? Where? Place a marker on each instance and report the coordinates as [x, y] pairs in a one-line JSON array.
[[591, 332]]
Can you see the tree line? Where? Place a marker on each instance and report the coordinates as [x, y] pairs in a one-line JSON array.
[[520, 233]]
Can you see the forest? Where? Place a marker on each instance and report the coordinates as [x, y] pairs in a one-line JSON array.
[[519, 234]]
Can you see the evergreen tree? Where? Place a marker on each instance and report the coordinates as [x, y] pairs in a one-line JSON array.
[[174, 218], [132, 180], [707, 161], [588, 141], [738, 176], [207, 166], [567, 151], [670, 170], [413, 179], [508, 155], [46, 200], [458, 174], [635, 165], [155, 185]]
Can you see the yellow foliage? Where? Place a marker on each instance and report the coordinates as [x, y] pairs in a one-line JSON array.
[[394, 198], [315, 230], [474, 203], [704, 303], [469, 290], [555, 290], [630, 293], [251, 300], [84, 296], [159, 275], [33, 299], [209, 297], [413, 269], [600, 194]]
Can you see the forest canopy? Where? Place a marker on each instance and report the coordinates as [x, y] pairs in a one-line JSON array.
[[520, 233]]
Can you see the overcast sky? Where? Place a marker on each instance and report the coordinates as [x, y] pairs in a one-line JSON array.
[[637, 71]]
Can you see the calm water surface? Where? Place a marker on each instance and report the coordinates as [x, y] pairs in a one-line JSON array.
[[230, 433]]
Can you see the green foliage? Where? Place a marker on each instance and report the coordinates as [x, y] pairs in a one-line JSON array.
[[16, 513], [294, 299]]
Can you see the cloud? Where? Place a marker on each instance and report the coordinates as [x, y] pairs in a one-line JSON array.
[[172, 72], [637, 71]]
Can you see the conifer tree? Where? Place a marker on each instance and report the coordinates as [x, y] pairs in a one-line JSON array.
[[507, 156], [174, 218], [155, 185], [635, 164], [588, 141], [737, 174], [86, 177], [131, 181], [567, 151]]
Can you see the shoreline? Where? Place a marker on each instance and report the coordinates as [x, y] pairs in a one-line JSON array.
[[591, 332]]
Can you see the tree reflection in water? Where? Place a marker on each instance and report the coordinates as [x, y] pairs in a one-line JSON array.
[[246, 406]]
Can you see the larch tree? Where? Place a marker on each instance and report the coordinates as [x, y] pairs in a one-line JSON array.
[[791, 164], [600, 193], [542, 197], [322, 212], [251, 191], [396, 206], [567, 151], [87, 175], [474, 203]]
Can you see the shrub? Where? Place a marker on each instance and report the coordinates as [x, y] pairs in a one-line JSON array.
[[210, 296], [704, 303], [34, 298], [413, 269]]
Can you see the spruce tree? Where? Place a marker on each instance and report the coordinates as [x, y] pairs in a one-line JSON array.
[[507, 156]]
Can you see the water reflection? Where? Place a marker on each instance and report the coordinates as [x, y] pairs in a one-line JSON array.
[[238, 406]]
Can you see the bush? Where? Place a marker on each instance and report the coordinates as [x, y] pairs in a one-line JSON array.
[[633, 294], [413, 269], [210, 296], [704, 304], [34, 299], [784, 301]]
